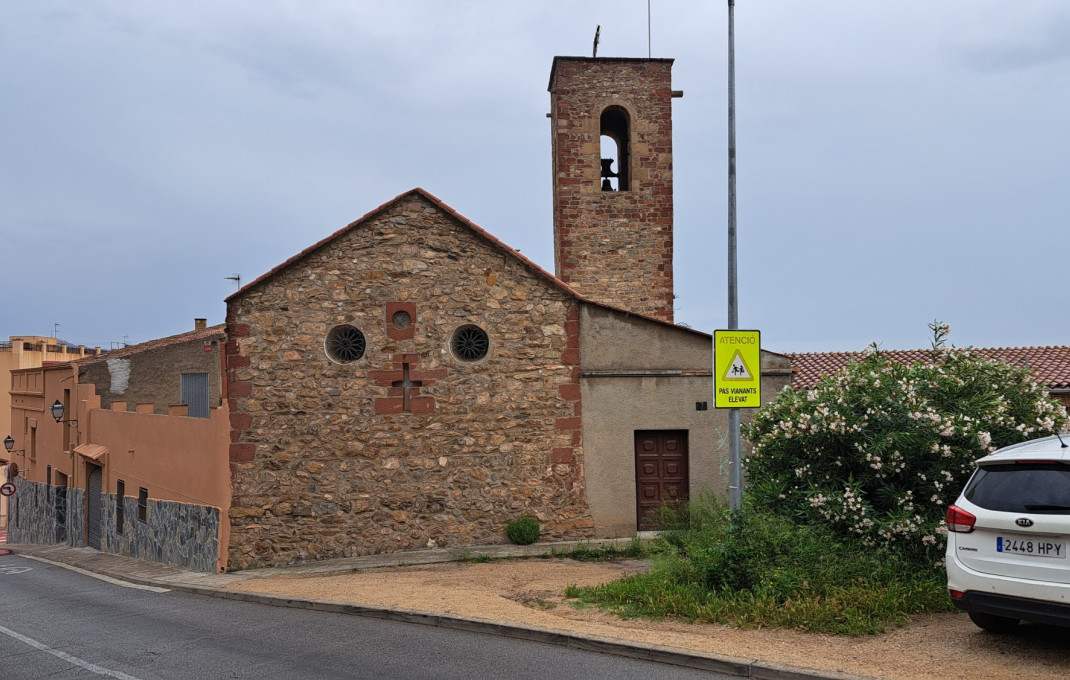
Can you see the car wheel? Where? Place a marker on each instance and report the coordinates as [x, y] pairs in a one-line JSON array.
[[993, 623]]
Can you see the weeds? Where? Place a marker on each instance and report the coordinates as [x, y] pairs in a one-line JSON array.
[[606, 551], [760, 570], [478, 558]]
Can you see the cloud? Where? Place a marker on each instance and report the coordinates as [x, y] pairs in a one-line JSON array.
[[1045, 46]]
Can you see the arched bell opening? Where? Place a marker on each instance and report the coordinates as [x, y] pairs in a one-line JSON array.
[[615, 136]]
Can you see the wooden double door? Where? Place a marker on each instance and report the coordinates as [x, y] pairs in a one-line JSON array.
[[661, 474]]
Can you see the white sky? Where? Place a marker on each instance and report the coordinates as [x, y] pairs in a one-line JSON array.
[[899, 162]]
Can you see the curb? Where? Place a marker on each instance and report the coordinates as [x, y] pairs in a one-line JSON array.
[[728, 665]]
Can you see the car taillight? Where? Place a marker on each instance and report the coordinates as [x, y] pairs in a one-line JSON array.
[[958, 520], [956, 594]]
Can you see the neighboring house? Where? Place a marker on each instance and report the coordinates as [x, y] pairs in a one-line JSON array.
[[138, 478], [178, 370], [1050, 365], [28, 351], [410, 381]]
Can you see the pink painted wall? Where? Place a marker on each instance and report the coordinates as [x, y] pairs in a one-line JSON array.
[[175, 458]]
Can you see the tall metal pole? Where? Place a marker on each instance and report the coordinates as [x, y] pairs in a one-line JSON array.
[[735, 462]]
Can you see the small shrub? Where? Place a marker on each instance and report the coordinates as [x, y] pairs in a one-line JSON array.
[[523, 530]]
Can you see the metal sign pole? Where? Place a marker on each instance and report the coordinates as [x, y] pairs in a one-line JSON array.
[[735, 461]]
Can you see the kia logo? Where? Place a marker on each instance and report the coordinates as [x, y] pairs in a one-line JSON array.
[[1024, 522]]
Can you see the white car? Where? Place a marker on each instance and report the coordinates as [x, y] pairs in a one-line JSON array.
[[1008, 536]]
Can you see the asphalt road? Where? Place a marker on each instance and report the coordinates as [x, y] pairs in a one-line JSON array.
[[63, 625]]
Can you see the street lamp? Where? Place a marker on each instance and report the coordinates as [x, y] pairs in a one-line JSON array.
[[57, 413], [9, 444]]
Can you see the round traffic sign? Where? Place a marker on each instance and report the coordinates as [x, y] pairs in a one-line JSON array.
[[7, 489]]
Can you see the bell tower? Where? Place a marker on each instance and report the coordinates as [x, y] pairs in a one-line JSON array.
[[611, 122]]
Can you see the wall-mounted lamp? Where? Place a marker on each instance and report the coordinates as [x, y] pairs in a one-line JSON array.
[[57, 413], [9, 444]]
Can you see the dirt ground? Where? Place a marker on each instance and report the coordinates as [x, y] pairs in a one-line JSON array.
[[531, 592]]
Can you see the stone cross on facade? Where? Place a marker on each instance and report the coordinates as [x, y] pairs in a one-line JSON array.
[[407, 384]]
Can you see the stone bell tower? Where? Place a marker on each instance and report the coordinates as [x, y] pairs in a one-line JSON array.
[[611, 124]]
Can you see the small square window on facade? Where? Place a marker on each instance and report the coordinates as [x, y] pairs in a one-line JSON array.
[[142, 505]]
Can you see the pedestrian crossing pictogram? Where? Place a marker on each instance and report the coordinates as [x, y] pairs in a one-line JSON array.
[[738, 369]]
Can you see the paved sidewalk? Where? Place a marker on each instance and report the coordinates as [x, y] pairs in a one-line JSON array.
[[146, 573]]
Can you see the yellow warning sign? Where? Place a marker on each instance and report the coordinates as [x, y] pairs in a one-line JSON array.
[[737, 369]]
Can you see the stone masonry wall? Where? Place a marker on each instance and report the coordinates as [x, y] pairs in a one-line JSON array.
[[174, 533], [35, 516], [614, 247], [326, 462]]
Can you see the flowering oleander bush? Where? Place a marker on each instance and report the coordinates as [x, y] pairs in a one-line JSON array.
[[877, 451]]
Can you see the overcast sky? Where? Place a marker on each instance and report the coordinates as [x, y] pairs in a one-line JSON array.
[[899, 162]]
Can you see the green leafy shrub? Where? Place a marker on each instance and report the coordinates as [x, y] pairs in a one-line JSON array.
[[523, 530], [878, 450]]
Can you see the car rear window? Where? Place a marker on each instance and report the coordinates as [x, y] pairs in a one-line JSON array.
[[1042, 488]]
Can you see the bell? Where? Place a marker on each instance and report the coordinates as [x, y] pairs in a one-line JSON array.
[[607, 172]]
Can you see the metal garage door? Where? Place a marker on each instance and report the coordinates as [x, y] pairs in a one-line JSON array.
[[93, 512]]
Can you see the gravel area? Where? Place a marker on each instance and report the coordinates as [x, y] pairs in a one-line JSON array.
[[531, 592]]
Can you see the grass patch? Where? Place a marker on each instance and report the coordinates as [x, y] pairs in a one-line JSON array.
[[474, 559], [586, 552], [758, 570]]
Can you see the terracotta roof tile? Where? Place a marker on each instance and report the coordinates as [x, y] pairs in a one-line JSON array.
[[210, 333], [1050, 365]]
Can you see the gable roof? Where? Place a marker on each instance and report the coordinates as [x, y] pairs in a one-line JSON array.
[[460, 219], [206, 334], [1050, 365], [439, 204]]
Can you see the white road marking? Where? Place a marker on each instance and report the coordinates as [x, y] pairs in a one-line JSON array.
[[67, 657], [106, 579]]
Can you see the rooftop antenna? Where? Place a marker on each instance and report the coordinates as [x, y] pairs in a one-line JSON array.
[[55, 330], [236, 279], [648, 43], [597, 30]]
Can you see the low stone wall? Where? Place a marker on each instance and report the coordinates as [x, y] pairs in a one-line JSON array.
[[76, 521], [173, 533], [32, 514]]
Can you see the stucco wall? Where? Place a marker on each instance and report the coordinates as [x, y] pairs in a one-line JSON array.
[[614, 408], [641, 375], [615, 341], [326, 464]]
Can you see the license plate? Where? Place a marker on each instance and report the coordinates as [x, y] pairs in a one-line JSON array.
[[1036, 547]]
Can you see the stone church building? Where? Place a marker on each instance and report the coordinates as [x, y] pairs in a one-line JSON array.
[[410, 381]]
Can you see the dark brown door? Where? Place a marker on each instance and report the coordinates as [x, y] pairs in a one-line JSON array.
[[660, 473]]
